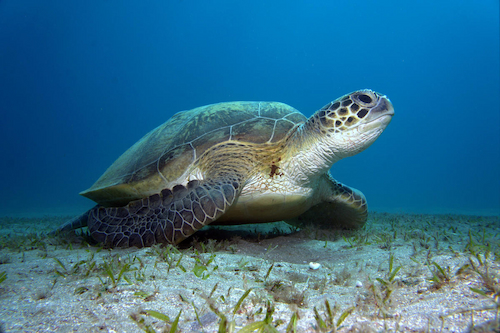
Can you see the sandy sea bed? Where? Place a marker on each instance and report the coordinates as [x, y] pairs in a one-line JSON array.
[[400, 273]]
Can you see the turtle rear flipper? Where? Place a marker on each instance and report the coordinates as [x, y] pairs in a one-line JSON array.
[[77, 222], [168, 217], [342, 207]]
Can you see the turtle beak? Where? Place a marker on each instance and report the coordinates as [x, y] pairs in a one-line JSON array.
[[380, 116], [383, 108]]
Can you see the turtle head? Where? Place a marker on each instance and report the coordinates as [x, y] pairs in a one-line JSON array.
[[352, 123]]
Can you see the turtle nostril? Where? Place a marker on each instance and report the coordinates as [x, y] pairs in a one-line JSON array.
[[365, 98]]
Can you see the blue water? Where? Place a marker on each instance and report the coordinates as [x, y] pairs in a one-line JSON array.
[[81, 81]]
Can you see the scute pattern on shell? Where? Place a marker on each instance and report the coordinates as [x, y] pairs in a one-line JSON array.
[[162, 156]]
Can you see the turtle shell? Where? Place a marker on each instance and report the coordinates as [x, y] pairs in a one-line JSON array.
[[165, 156]]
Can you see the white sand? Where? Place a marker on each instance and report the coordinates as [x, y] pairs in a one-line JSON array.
[[83, 298]]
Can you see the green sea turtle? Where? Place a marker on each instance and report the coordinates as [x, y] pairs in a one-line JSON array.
[[234, 163]]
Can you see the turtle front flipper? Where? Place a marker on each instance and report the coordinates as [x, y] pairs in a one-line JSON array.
[[342, 207], [168, 217]]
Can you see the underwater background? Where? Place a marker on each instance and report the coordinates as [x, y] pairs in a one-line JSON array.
[[80, 82]]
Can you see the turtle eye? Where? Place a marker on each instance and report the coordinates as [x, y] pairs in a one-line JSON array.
[[365, 98]]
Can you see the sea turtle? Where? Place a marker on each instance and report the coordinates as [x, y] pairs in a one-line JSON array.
[[234, 163]]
